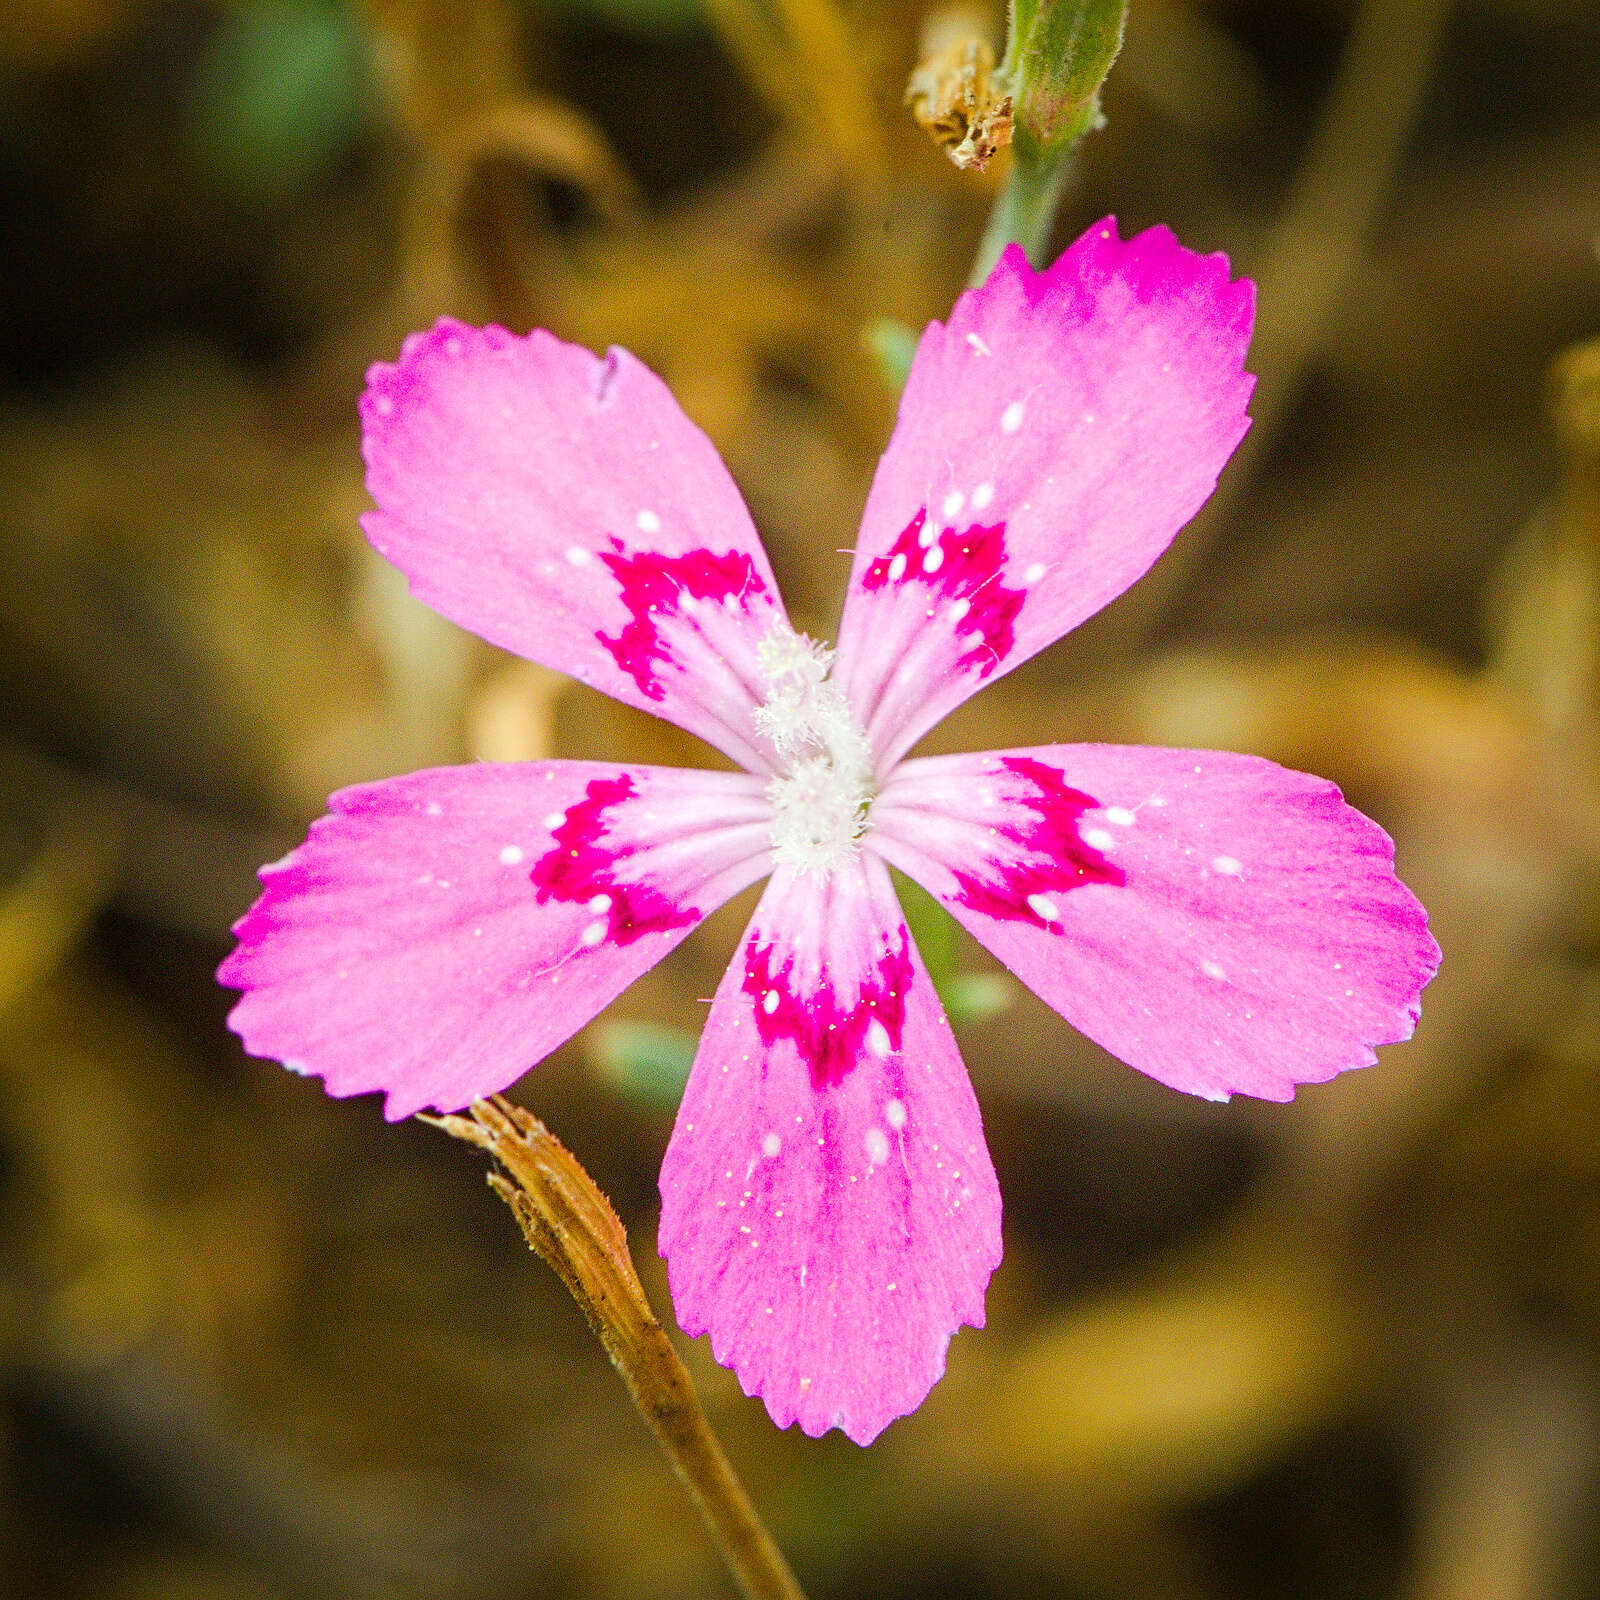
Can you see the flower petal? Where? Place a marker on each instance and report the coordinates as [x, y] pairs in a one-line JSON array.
[[562, 506], [1053, 437], [1217, 921], [829, 1213], [438, 934]]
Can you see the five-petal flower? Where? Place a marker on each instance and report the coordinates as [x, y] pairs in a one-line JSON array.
[[829, 1212]]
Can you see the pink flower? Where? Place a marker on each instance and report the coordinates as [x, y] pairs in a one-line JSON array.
[[829, 1211]]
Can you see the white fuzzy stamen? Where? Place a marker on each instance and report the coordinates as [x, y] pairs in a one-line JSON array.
[[821, 798]]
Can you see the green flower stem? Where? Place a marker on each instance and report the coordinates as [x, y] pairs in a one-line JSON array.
[[568, 1222], [1025, 212]]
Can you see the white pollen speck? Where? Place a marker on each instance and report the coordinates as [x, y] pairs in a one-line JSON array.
[[600, 904], [978, 345], [769, 1001], [648, 522], [895, 1114], [578, 556], [1157, 801], [959, 609], [1042, 906], [877, 1143], [383, 405], [594, 933], [555, 819], [1099, 839], [1120, 815], [1034, 573], [771, 1145], [1011, 417], [930, 532], [953, 502], [897, 568], [982, 496], [1227, 866], [934, 559], [878, 1039], [511, 855], [1212, 970], [434, 809]]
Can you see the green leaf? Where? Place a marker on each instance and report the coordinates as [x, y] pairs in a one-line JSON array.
[[647, 1060], [976, 996], [932, 927], [891, 344], [283, 87], [965, 996]]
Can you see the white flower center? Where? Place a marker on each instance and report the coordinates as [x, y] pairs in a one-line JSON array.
[[821, 798]]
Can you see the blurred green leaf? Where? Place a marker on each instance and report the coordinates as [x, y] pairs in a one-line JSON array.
[[976, 996], [284, 86], [932, 927], [966, 996], [646, 1060], [891, 344]]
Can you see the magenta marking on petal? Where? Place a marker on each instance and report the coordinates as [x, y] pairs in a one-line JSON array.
[[1057, 859], [654, 586], [828, 1036], [964, 567], [578, 869]]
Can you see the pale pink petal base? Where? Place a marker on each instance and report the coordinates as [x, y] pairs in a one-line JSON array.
[[438, 934], [829, 1211], [1219, 922], [1052, 439]]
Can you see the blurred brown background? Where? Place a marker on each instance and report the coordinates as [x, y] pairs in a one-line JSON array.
[[257, 1345]]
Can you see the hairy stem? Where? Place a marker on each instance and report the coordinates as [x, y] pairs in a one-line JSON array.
[[1025, 211]]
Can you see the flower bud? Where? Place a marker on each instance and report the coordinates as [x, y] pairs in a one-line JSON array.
[[1057, 56]]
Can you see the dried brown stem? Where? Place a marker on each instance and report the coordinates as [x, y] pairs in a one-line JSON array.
[[571, 1224]]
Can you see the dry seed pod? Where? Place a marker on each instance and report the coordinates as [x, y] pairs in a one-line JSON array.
[[965, 105]]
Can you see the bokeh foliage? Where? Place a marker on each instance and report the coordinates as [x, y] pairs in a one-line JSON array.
[[255, 1343]]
